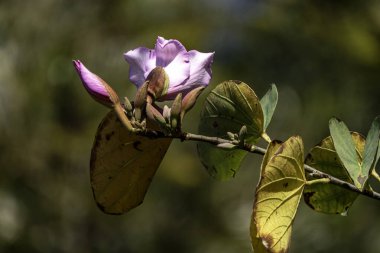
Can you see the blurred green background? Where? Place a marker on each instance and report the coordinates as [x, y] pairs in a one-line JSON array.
[[324, 57]]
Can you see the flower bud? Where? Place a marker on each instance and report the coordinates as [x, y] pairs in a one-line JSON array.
[[158, 82], [140, 101], [190, 99], [175, 112], [242, 133], [127, 104], [166, 113], [155, 116], [226, 145], [95, 86], [231, 136], [128, 107], [141, 95]]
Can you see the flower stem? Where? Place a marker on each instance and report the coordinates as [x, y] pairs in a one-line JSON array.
[[123, 117]]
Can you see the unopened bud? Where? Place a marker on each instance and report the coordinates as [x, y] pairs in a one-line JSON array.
[[166, 113], [96, 86], [127, 104], [231, 136], [242, 133], [175, 112], [226, 145], [141, 95], [154, 115], [140, 101], [190, 99], [158, 82]]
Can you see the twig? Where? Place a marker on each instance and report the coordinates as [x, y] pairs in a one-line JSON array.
[[261, 151]]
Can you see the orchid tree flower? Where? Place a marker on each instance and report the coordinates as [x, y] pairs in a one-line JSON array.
[[186, 70], [167, 72]]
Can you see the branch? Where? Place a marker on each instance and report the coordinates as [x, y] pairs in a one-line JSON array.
[[183, 136], [261, 151]]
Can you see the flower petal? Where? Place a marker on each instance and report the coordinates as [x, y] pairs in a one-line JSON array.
[[172, 93], [178, 70], [167, 51], [200, 68], [141, 61], [94, 85], [200, 74]]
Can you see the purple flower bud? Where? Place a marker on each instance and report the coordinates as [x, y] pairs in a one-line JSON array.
[[186, 70], [95, 86]]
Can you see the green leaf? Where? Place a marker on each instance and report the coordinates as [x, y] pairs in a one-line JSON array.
[[345, 148], [358, 170], [329, 198], [374, 173], [277, 196], [269, 103], [371, 147], [231, 105], [122, 165], [378, 155]]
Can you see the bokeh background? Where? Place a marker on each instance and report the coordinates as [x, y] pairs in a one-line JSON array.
[[324, 57]]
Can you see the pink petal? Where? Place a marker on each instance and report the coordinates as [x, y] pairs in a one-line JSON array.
[[167, 51], [141, 61], [200, 74], [172, 93], [94, 85], [200, 68], [178, 70]]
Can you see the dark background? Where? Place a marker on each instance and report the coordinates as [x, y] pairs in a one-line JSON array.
[[324, 57]]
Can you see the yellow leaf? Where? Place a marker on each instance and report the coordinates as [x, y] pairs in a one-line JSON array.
[[256, 241], [277, 196], [122, 165]]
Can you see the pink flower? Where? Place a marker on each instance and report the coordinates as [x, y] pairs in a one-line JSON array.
[[95, 86], [187, 70]]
